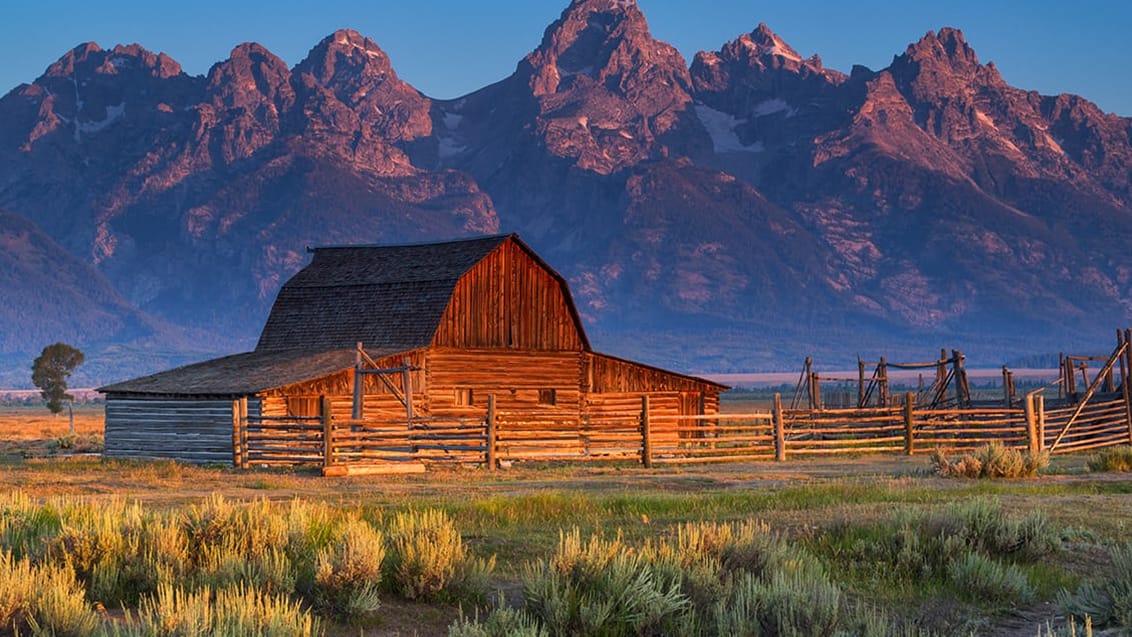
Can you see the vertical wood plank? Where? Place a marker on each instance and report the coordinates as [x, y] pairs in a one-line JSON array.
[[1031, 424], [779, 430], [1040, 408], [244, 432], [646, 433], [359, 385], [909, 423], [860, 383], [326, 418], [490, 445], [236, 434]]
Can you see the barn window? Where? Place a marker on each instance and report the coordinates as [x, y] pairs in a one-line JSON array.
[[464, 397], [548, 396], [302, 406]]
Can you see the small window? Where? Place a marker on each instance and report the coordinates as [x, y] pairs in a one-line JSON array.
[[548, 396], [465, 397]]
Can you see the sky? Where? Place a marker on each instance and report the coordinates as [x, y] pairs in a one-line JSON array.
[[447, 48]]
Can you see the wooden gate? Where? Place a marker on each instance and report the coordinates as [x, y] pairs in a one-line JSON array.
[[1097, 422]]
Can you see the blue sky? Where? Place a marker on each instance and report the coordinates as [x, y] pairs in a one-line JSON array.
[[447, 48]]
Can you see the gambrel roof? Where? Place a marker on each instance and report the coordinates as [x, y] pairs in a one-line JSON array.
[[387, 297]]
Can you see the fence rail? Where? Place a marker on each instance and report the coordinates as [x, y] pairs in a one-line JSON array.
[[651, 438]]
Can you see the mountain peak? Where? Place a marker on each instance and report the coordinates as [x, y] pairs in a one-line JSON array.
[[942, 64], [947, 45], [604, 40], [342, 56], [763, 41], [360, 76]]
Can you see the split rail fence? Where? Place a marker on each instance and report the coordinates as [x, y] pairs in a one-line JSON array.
[[778, 434]]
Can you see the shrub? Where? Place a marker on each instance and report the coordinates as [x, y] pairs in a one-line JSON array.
[[26, 527], [1112, 460], [1107, 601], [982, 525], [59, 606], [503, 622], [17, 587], [228, 564], [980, 578], [788, 603], [348, 573], [47, 599], [233, 611], [601, 588], [428, 559], [991, 461]]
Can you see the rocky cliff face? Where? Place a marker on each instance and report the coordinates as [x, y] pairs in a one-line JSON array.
[[753, 196]]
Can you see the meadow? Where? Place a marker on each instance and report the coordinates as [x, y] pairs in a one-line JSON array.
[[855, 546]]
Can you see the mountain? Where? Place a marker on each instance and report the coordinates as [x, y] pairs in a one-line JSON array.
[[586, 151], [738, 212], [196, 197]]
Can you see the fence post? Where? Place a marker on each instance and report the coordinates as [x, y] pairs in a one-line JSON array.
[[489, 455], [1032, 424], [325, 416], [779, 430], [1040, 409], [646, 433], [237, 425], [1125, 381], [909, 405]]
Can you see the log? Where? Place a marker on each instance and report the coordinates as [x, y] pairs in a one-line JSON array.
[[373, 469]]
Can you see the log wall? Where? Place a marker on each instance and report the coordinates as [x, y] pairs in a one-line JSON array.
[[519, 380], [198, 431]]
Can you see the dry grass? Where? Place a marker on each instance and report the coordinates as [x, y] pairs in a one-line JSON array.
[[517, 513], [36, 423]]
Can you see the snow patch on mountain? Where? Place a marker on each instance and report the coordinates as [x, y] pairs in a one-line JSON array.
[[772, 106], [721, 127]]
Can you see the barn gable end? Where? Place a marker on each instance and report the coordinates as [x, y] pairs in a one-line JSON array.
[[511, 299]]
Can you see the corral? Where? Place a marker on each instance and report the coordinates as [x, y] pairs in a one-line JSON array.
[[388, 358]]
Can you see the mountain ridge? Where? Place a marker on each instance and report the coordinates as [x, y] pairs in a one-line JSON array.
[[750, 191]]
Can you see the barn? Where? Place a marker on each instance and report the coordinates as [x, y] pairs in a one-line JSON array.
[[410, 332]]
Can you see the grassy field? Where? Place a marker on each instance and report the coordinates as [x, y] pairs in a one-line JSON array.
[[860, 520]]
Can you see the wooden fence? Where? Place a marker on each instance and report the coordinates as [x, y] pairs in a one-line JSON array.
[[341, 446]]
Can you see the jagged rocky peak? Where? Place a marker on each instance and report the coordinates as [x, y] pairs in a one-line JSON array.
[[758, 75], [601, 40], [89, 59], [360, 76], [90, 89], [764, 49], [763, 41], [340, 56], [947, 45], [940, 62], [249, 75]]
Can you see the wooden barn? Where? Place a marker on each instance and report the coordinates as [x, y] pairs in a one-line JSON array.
[[411, 332]]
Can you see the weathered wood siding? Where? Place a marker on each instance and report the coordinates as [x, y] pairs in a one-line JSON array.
[[515, 378], [606, 374], [509, 300], [198, 431]]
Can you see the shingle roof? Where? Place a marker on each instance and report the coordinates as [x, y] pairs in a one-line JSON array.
[[387, 297], [240, 374]]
